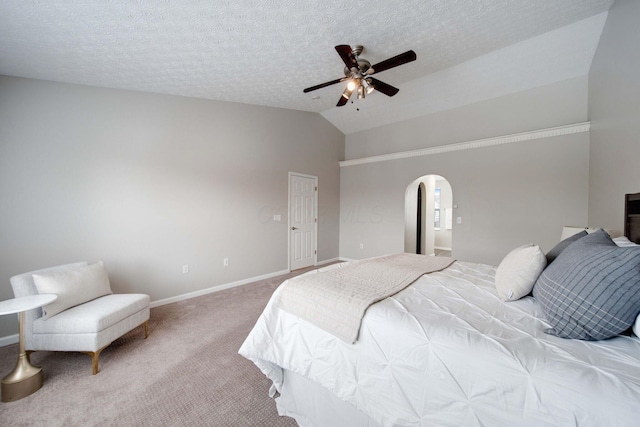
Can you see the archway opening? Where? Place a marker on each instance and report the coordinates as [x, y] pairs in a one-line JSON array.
[[428, 227]]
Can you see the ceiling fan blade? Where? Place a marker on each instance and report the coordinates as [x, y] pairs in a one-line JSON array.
[[403, 58], [344, 50], [383, 87], [344, 98], [332, 82]]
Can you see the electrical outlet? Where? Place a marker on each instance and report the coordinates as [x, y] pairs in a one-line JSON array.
[[225, 262], [361, 245], [185, 269]]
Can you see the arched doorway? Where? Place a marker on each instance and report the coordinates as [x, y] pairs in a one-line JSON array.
[[428, 224]]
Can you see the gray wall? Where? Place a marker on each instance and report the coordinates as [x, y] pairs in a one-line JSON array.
[[150, 182], [507, 195], [614, 111]]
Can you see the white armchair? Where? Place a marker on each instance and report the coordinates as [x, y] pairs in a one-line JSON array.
[[86, 317]]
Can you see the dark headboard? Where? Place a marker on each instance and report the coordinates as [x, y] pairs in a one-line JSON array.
[[632, 217]]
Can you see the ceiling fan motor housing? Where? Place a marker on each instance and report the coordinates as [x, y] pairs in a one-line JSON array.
[[363, 66]]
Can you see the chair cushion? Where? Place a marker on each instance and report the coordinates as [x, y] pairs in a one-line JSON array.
[[73, 287], [93, 316], [23, 285]]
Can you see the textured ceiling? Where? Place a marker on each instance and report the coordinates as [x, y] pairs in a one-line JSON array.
[[265, 52]]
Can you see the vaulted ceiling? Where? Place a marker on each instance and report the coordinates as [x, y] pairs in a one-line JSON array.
[[265, 52]]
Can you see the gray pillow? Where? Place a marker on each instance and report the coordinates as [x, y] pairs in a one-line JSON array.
[[557, 249], [592, 290]]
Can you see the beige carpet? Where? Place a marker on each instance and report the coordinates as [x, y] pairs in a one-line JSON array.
[[187, 373]]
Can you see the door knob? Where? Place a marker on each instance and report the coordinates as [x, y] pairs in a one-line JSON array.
[[294, 228]]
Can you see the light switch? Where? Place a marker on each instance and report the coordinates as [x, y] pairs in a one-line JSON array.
[[459, 220]]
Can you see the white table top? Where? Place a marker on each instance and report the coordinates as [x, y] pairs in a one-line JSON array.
[[17, 305]]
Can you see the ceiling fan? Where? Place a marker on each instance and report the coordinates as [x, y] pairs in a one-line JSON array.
[[358, 71]]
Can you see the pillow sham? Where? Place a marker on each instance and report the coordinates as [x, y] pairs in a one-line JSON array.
[[592, 290], [557, 249], [568, 231], [624, 242], [73, 287], [518, 271]]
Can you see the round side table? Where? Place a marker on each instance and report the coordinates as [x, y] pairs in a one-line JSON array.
[[25, 378]]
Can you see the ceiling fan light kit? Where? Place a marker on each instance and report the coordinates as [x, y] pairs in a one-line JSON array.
[[358, 72]]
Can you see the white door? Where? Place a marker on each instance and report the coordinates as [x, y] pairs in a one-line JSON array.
[[303, 190]]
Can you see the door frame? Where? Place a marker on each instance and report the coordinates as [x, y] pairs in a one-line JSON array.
[[315, 227]]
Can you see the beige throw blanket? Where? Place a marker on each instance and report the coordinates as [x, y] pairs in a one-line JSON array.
[[336, 299]]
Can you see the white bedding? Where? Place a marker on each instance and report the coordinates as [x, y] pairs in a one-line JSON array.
[[447, 351]]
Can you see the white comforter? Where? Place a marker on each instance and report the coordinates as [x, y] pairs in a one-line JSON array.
[[447, 351]]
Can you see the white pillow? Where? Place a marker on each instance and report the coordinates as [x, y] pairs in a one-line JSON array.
[[623, 242], [636, 326], [72, 287], [518, 272]]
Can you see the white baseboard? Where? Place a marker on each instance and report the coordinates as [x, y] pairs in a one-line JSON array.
[[9, 339], [328, 261], [215, 289], [442, 248], [231, 285]]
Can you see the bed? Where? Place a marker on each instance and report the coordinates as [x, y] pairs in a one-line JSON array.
[[446, 350]]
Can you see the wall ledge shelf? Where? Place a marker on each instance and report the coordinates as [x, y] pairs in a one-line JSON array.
[[480, 143]]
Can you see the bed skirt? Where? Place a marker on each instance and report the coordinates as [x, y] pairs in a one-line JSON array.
[[312, 405]]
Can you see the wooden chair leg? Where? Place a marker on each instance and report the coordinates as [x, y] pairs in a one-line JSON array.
[[95, 359], [95, 355], [146, 329]]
